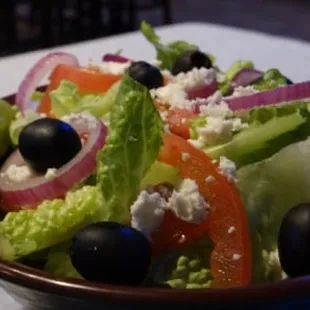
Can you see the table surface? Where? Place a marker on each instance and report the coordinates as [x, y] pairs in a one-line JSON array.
[[292, 57]]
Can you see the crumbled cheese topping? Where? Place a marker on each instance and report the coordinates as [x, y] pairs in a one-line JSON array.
[[111, 67], [18, 173], [81, 119], [147, 212], [241, 91], [187, 203], [236, 256], [210, 179], [228, 169], [50, 173], [231, 229], [185, 156]]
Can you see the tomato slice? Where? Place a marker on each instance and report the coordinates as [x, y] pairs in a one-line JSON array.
[[226, 224], [87, 80], [179, 121]]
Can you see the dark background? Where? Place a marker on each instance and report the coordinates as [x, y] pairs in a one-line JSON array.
[[33, 24]]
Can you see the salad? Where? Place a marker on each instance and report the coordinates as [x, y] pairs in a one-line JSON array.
[[170, 173]]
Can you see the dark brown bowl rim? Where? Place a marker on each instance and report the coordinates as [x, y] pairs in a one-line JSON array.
[[45, 282]]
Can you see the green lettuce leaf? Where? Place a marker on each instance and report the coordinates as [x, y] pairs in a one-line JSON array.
[[270, 129], [272, 78], [20, 121], [269, 189], [196, 123], [59, 262], [65, 100], [7, 115], [54, 221], [132, 146], [168, 53]]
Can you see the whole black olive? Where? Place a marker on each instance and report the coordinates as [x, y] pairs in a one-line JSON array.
[[111, 253], [146, 74], [294, 241], [190, 60], [48, 143]]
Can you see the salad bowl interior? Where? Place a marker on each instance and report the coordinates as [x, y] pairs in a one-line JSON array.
[[36, 289]]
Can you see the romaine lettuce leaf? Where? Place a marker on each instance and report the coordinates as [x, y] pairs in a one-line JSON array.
[[132, 146], [272, 78], [269, 189], [59, 262], [54, 221], [270, 129], [168, 53], [66, 100]]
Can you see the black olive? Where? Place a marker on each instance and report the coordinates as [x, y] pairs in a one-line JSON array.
[[294, 241], [111, 253], [146, 74], [190, 60], [48, 143]]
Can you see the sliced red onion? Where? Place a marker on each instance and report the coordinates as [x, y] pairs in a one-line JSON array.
[[36, 75], [31, 192], [115, 58], [202, 92], [281, 95], [246, 77]]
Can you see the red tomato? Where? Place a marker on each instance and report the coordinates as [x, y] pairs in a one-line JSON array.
[[226, 224], [179, 121], [87, 80]]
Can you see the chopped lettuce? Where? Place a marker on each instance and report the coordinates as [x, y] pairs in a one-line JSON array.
[[37, 96], [168, 53], [132, 146], [188, 268], [20, 121], [65, 100], [7, 114], [54, 221], [196, 123], [269, 189], [272, 78], [270, 129], [59, 263]]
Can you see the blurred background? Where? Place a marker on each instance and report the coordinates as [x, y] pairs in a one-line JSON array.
[[33, 24]]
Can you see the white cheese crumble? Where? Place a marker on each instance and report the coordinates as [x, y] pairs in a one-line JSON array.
[[236, 256], [147, 212], [185, 156], [50, 173], [18, 173], [210, 179], [241, 91], [111, 67], [187, 203], [81, 119], [228, 169], [231, 229]]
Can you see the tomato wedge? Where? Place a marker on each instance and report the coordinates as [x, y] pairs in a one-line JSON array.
[[88, 81], [179, 121], [226, 224]]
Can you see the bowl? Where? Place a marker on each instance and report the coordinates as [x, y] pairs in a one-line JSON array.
[[36, 289]]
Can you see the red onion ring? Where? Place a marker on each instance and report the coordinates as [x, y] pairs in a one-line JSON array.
[[246, 77], [37, 73], [281, 95], [31, 192], [115, 58], [202, 92]]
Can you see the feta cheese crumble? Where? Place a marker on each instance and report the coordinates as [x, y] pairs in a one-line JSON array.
[[241, 91], [18, 173], [185, 156], [147, 212], [228, 169], [187, 203], [111, 67], [210, 179], [50, 173], [81, 119]]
